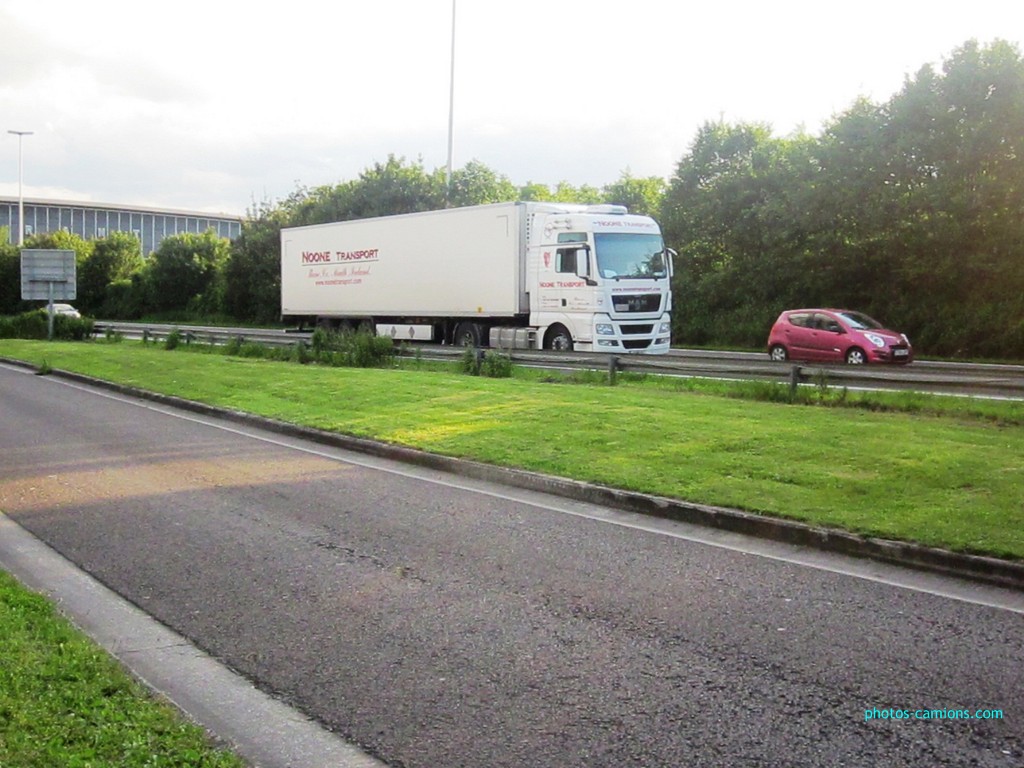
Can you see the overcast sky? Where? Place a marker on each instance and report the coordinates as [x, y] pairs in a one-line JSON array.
[[214, 105]]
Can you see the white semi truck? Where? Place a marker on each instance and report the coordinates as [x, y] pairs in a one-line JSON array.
[[510, 275]]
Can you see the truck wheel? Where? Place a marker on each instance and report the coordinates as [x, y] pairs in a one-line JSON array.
[[558, 338], [467, 335]]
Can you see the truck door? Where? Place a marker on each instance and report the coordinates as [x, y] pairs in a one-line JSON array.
[[559, 281]]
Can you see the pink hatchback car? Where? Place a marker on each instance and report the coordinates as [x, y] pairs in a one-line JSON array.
[[835, 336]]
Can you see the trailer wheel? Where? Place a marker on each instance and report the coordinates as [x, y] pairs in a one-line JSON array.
[[467, 335], [558, 338]]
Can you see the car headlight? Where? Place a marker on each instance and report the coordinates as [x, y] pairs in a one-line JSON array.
[[664, 328], [878, 341], [605, 329]]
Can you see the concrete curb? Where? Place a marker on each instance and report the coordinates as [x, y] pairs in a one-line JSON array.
[[219, 699], [988, 570]]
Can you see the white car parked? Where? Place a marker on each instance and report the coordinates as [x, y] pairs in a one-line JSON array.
[[66, 309]]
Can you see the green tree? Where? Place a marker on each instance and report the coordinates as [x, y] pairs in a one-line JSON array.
[[476, 184], [62, 240], [912, 210], [958, 176], [534, 192], [184, 272], [643, 196], [253, 269], [10, 279], [384, 189], [114, 258], [563, 192], [732, 213]]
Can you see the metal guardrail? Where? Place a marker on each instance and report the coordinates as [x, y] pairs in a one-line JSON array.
[[924, 376]]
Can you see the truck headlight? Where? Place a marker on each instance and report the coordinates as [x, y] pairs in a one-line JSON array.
[[605, 329], [664, 328]]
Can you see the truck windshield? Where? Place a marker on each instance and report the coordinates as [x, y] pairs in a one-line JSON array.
[[623, 256]]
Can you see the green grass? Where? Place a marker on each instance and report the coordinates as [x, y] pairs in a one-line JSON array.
[[65, 702], [941, 471]]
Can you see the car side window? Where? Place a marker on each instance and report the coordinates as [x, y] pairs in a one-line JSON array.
[[800, 319], [826, 323]]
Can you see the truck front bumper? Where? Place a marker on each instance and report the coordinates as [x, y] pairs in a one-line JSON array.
[[632, 336]]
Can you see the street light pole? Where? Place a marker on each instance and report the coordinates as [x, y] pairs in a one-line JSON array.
[[21, 197], [451, 111]]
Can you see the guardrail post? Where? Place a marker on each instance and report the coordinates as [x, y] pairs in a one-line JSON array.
[[145, 336], [794, 381], [189, 337], [613, 368], [478, 360]]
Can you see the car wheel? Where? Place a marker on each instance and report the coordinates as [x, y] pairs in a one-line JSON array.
[[558, 339], [778, 353], [856, 356]]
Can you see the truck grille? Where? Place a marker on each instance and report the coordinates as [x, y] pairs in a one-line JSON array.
[[646, 302], [636, 343], [637, 329]]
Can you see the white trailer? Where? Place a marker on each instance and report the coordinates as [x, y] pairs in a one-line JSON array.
[[514, 275]]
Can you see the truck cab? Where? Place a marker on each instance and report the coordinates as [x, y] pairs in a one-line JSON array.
[[602, 281]]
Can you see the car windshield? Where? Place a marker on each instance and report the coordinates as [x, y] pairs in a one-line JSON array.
[[623, 256], [859, 322]]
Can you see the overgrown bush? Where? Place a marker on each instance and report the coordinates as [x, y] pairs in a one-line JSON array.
[[173, 339], [233, 345], [35, 325], [494, 365], [299, 353], [356, 349], [255, 350], [470, 362]]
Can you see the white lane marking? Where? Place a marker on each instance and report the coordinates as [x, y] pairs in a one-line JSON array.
[[867, 570]]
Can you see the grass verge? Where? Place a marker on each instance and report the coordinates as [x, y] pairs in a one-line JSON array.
[[65, 702], [950, 477]]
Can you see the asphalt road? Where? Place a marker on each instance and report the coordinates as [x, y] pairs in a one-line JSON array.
[[440, 623]]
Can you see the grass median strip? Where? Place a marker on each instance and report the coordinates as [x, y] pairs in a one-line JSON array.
[[64, 701], [948, 481]]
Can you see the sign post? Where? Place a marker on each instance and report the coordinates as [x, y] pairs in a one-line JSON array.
[[49, 275]]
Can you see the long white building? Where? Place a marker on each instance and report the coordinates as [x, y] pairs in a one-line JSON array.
[[94, 220]]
